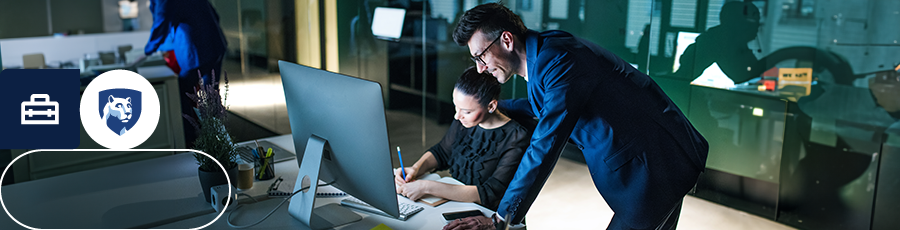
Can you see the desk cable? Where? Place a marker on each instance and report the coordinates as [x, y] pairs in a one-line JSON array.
[[228, 218]]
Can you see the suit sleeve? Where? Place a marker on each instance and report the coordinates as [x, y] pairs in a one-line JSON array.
[[558, 115], [517, 107]]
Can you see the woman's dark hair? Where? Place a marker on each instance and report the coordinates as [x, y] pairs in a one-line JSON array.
[[483, 86], [492, 19]]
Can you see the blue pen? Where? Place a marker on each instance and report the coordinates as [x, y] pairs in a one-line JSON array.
[[255, 154], [402, 171]]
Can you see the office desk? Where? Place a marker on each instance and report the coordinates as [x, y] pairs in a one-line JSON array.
[[133, 195], [812, 164], [745, 130], [165, 193], [430, 218]]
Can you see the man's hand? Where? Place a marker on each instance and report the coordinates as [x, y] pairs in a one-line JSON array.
[[473, 222]]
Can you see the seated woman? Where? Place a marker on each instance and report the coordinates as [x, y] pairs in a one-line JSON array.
[[482, 148]]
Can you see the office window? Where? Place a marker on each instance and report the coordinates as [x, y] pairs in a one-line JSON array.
[[683, 13]]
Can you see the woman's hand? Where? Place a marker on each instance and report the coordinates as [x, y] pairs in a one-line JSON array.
[[415, 190], [473, 222], [410, 175]]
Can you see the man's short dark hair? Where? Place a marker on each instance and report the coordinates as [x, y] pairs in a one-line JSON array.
[[492, 19], [484, 87], [738, 13]]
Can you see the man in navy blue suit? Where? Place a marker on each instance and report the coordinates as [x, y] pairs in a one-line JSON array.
[[643, 153]]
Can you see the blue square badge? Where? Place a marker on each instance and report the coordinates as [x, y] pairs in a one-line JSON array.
[[41, 108]]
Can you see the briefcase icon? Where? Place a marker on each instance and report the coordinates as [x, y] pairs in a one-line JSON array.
[[44, 112]]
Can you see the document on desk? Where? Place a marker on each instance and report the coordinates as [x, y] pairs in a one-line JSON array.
[[434, 201]]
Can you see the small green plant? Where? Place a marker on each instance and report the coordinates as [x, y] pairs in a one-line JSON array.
[[213, 138]]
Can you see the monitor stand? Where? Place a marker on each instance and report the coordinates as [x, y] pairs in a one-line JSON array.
[[302, 204]]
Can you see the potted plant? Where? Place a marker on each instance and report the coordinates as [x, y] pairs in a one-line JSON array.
[[213, 138]]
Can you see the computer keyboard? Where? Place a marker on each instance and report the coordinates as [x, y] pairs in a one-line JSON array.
[[406, 210], [246, 153]]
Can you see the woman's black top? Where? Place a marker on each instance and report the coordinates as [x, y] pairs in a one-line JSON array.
[[486, 158]]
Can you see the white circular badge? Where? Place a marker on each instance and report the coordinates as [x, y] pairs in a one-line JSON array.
[[119, 109]]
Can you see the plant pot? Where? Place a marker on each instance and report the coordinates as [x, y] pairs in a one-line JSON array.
[[210, 179]]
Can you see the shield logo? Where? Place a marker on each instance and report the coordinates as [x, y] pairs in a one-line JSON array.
[[120, 109]]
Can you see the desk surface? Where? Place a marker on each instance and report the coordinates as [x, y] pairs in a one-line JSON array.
[[138, 194], [430, 218], [165, 193]]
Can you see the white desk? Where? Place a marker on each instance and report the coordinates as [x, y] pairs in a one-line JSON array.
[[430, 218], [165, 193], [69, 48], [133, 195]]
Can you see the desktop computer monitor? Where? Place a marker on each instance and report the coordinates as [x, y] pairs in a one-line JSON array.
[[387, 23], [340, 133], [684, 40]]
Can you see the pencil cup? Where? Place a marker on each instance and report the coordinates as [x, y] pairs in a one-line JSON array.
[[265, 168], [245, 175]]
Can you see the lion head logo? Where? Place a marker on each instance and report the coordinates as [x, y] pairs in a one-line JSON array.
[[120, 109]]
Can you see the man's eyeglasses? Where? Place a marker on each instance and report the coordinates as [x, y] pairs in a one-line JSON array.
[[477, 58]]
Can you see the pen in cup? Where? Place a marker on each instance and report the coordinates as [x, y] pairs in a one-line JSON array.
[[262, 171], [259, 150], [402, 171], [267, 170]]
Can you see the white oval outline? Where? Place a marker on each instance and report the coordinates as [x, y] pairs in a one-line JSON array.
[[3, 175]]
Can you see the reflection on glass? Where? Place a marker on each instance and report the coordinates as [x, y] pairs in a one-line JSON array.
[[745, 131], [837, 79], [388, 22], [725, 45]]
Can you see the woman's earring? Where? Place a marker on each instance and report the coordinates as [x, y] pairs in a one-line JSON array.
[[491, 111]]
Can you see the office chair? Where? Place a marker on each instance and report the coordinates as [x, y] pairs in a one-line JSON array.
[[33, 61], [107, 58], [123, 49]]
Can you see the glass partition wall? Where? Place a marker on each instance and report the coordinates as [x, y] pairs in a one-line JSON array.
[[798, 98], [258, 33], [419, 68]]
